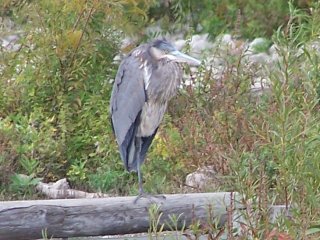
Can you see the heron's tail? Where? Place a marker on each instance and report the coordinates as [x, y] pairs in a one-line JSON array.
[[133, 150], [129, 148], [133, 155], [130, 153]]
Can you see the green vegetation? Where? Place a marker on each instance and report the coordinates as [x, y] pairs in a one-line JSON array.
[[247, 19], [55, 91], [54, 105]]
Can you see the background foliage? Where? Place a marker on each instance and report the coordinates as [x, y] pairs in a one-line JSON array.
[[247, 19], [54, 98], [55, 90]]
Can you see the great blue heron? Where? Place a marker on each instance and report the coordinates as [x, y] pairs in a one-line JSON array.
[[146, 80]]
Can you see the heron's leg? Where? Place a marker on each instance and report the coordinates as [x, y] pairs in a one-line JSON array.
[[140, 178], [138, 147], [141, 192]]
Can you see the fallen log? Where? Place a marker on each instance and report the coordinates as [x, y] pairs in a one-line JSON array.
[[107, 216]]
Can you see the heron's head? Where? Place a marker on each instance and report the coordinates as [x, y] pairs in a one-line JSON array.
[[161, 49]]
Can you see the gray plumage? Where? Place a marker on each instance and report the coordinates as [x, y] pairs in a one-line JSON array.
[[146, 80]]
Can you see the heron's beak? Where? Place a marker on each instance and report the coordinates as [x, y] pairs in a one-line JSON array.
[[178, 56]]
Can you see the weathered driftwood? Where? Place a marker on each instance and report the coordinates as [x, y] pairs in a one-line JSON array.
[[105, 216], [61, 189]]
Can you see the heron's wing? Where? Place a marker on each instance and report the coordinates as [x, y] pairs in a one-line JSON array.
[[146, 142], [127, 99]]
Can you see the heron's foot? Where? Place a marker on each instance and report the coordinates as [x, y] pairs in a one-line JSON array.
[[149, 196]]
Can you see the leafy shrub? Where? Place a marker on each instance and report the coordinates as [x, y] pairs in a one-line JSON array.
[[267, 144], [55, 90], [23, 185]]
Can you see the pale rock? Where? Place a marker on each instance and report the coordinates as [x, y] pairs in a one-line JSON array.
[[202, 178], [259, 58], [255, 43], [200, 43], [224, 42], [179, 44]]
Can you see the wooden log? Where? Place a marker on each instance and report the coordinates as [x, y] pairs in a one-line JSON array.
[[105, 216]]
